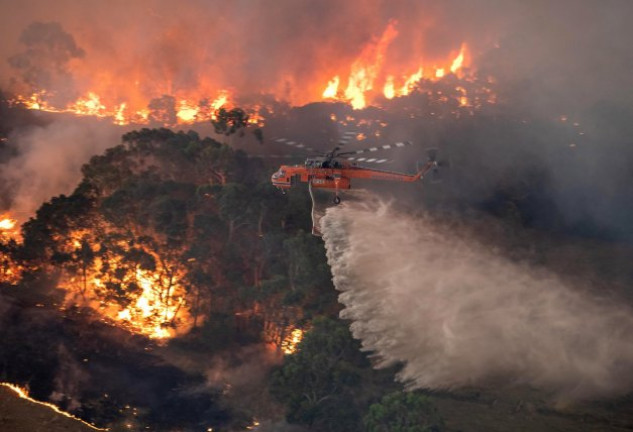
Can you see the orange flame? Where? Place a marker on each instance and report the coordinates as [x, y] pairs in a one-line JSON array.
[[459, 60], [290, 343], [158, 308], [188, 111], [7, 223], [332, 88], [358, 81], [389, 90], [9, 227], [366, 67], [151, 313]]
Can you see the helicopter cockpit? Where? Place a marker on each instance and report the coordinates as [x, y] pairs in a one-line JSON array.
[[322, 163]]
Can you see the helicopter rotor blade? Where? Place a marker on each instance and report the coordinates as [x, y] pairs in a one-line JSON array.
[[291, 143], [377, 148], [275, 156], [346, 137], [369, 160]]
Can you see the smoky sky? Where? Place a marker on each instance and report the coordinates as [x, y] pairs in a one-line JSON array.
[[565, 51]]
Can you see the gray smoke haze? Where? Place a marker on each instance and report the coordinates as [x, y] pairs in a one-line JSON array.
[[457, 313], [49, 160]]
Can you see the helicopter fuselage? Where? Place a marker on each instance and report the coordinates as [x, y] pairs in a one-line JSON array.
[[335, 174]]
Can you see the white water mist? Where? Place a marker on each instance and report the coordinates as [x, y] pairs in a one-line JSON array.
[[456, 313]]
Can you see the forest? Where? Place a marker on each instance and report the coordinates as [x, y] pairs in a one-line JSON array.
[[176, 289]]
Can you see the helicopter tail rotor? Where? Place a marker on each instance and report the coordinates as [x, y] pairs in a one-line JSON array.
[[435, 167]]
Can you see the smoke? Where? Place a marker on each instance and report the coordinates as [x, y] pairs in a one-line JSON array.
[[69, 380], [456, 312], [49, 158], [43, 63]]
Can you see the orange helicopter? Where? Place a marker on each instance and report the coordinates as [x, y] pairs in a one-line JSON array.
[[332, 172]]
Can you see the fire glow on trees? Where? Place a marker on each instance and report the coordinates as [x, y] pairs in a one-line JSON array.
[[153, 98], [10, 271], [291, 341], [145, 294], [8, 226]]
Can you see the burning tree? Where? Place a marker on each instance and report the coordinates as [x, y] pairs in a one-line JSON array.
[[167, 230]]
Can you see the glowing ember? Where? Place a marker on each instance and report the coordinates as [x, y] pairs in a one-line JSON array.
[[253, 426], [463, 98], [23, 394]]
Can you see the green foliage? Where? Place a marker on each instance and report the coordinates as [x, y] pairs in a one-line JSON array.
[[403, 412], [307, 264], [317, 383]]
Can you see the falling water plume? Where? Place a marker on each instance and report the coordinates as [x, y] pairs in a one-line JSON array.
[[455, 313]]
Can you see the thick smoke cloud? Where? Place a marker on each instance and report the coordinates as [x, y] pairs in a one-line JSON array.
[[44, 62], [49, 160], [457, 313]]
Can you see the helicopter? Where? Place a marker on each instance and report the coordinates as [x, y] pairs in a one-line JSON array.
[[335, 170]]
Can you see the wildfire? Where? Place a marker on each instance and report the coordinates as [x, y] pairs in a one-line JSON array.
[[24, 394], [332, 88], [7, 223], [150, 313], [459, 60], [152, 96], [148, 302], [290, 343], [10, 271], [187, 111], [8, 227]]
